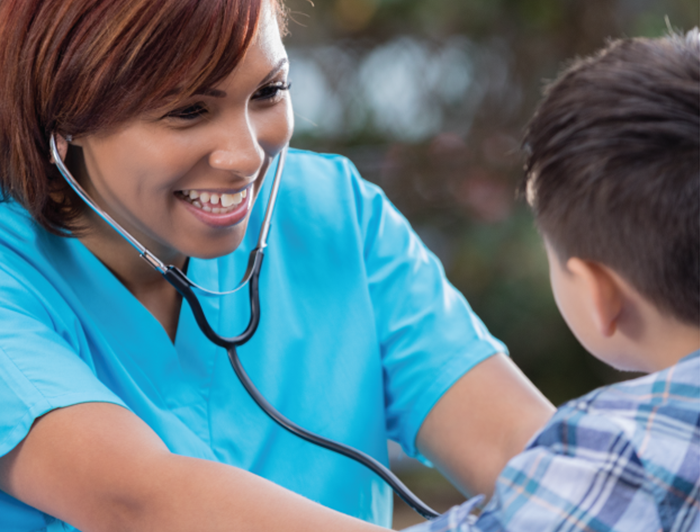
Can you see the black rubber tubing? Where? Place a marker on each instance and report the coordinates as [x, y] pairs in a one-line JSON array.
[[176, 278]]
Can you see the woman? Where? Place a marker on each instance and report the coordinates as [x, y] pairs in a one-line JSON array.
[[117, 413]]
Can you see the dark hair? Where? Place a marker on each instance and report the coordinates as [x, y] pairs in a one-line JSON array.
[[613, 166], [78, 66]]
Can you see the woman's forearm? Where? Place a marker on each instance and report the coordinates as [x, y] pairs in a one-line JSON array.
[[189, 494], [100, 468]]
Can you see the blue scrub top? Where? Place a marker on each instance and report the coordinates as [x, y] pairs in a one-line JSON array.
[[360, 335]]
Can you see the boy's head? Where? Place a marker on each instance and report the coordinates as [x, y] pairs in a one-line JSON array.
[[613, 177]]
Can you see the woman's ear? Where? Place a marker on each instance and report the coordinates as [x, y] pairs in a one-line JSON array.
[[62, 145], [605, 296]]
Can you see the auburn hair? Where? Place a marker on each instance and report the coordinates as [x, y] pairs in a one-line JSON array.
[[77, 66]]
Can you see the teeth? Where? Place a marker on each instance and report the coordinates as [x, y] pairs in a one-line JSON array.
[[209, 201], [231, 199]]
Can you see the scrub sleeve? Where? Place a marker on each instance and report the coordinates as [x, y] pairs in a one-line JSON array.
[[428, 334], [39, 366]]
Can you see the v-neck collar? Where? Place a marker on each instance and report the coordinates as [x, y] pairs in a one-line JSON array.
[[127, 325]]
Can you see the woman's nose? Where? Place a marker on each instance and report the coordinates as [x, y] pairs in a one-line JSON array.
[[238, 151]]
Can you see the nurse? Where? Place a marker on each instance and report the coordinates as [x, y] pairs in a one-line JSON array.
[[115, 412]]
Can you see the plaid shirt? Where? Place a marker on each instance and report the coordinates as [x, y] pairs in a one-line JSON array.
[[624, 458]]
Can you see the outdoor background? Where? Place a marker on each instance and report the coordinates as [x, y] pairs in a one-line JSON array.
[[429, 99]]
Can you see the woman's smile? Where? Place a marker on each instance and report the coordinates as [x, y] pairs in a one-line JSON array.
[[218, 208]]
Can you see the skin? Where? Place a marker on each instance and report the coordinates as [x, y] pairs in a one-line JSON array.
[[485, 419], [613, 321], [98, 466]]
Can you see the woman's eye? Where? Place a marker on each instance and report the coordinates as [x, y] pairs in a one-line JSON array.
[[188, 113], [272, 91]]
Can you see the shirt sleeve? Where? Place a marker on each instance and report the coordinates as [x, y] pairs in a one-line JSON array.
[[428, 333], [592, 479], [40, 365], [581, 473]]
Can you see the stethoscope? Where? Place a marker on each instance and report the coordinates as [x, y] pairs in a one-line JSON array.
[[251, 277]]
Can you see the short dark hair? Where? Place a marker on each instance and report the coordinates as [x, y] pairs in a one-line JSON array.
[[79, 66], [613, 166]]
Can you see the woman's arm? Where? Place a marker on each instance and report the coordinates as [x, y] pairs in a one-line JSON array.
[[480, 423], [100, 468]]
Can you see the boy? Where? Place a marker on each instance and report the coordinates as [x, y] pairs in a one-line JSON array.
[[613, 178]]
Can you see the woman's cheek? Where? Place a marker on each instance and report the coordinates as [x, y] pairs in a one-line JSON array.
[[276, 128]]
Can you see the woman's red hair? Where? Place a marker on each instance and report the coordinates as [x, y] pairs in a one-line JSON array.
[[78, 66]]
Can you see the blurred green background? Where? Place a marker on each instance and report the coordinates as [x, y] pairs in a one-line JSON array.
[[429, 99]]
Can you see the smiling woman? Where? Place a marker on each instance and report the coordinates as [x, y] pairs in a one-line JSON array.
[[116, 413]]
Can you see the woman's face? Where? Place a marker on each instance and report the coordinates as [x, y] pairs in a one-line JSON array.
[[183, 181]]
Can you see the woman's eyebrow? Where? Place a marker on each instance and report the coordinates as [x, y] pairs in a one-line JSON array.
[[275, 70], [216, 93]]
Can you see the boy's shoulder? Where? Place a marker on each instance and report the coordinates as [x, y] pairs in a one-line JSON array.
[[661, 407], [674, 392], [625, 455], [643, 432]]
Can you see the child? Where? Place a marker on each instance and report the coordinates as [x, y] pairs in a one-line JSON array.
[[613, 178]]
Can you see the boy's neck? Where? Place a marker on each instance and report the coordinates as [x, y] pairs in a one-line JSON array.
[[664, 342]]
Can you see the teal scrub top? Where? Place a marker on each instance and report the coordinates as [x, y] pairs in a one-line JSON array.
[[360, 335]]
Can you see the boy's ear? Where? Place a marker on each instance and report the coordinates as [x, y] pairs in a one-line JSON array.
[[604, 296]]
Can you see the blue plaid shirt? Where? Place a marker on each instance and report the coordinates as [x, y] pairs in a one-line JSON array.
[[624, 458]]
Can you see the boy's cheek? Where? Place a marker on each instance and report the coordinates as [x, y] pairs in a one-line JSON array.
[[571, 303]]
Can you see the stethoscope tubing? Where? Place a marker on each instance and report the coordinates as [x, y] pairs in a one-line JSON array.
[[230, 344], [185, 286], [377, 467]]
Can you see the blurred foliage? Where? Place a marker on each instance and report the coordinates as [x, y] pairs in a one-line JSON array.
[[456, 183], [429, 99]]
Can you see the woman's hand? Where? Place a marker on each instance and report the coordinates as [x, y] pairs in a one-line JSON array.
[[100, 468]]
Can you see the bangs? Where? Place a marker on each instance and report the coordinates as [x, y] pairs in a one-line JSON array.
[[151, 54], [224, 29], [213, 38]]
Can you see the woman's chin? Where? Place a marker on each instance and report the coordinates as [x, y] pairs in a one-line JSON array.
[[211, 252]]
